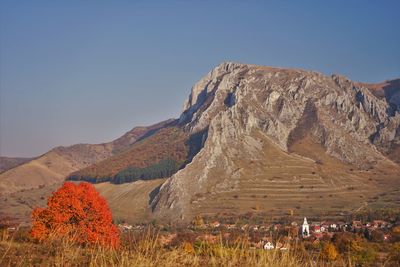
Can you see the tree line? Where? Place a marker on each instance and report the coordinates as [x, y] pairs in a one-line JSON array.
[[162, 169]]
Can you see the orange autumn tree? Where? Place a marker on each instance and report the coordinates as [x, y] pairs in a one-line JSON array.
[[76, 211]]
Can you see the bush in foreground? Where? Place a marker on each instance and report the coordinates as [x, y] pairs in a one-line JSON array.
[[78, 212]]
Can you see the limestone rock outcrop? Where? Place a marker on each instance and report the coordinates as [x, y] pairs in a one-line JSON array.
[[235, 103]]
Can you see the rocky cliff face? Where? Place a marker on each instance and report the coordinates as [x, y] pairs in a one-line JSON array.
[[248, 111]]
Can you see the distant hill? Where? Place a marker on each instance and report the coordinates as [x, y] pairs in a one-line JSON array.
[[7, 163], [55, 165]]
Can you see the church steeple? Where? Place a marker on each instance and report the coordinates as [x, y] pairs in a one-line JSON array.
[[305, 229]]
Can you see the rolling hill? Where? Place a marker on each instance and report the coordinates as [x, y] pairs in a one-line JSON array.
[[7, 163], [55, 165]]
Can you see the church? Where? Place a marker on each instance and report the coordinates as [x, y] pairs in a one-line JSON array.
[[305, 229]]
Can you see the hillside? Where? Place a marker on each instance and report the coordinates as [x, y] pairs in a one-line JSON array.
[[120, 198], [55, 165], [7, 163], [168, 144], [52, 167]]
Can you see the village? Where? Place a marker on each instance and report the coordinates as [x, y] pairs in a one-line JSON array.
[[277, 235]]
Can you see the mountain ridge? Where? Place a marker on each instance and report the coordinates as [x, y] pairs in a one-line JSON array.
[[55, 165], [7, 163]]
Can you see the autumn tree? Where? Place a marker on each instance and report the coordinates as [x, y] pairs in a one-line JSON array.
[[346, 242], [329, 252], [293, 231], [76, 211]]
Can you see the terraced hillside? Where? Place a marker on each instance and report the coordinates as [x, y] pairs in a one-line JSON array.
[[277, 182]]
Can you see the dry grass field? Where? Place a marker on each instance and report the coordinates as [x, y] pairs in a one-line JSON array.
[[130, 202], [145, 249]]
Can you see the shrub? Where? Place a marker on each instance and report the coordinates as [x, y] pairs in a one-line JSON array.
[[188, 247], [395, 252], [346, 242], [365, 256], [182, 238], [77, 212], [377, 236]]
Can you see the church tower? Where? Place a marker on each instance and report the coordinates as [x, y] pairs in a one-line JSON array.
[[305, 229]]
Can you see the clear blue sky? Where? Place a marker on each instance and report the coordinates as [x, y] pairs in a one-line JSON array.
[[88, 71]]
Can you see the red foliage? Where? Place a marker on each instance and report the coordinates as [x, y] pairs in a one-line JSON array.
[[78, 212]]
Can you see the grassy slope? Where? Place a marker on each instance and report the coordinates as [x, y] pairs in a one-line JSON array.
[[50, 168], [128, 202], [53, 166]]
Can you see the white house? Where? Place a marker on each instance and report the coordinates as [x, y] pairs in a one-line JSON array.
[[268, 246]]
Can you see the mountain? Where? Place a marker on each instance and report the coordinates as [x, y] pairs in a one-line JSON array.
[[7, 163], [55, 165], [250, 139], [281, 139]]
